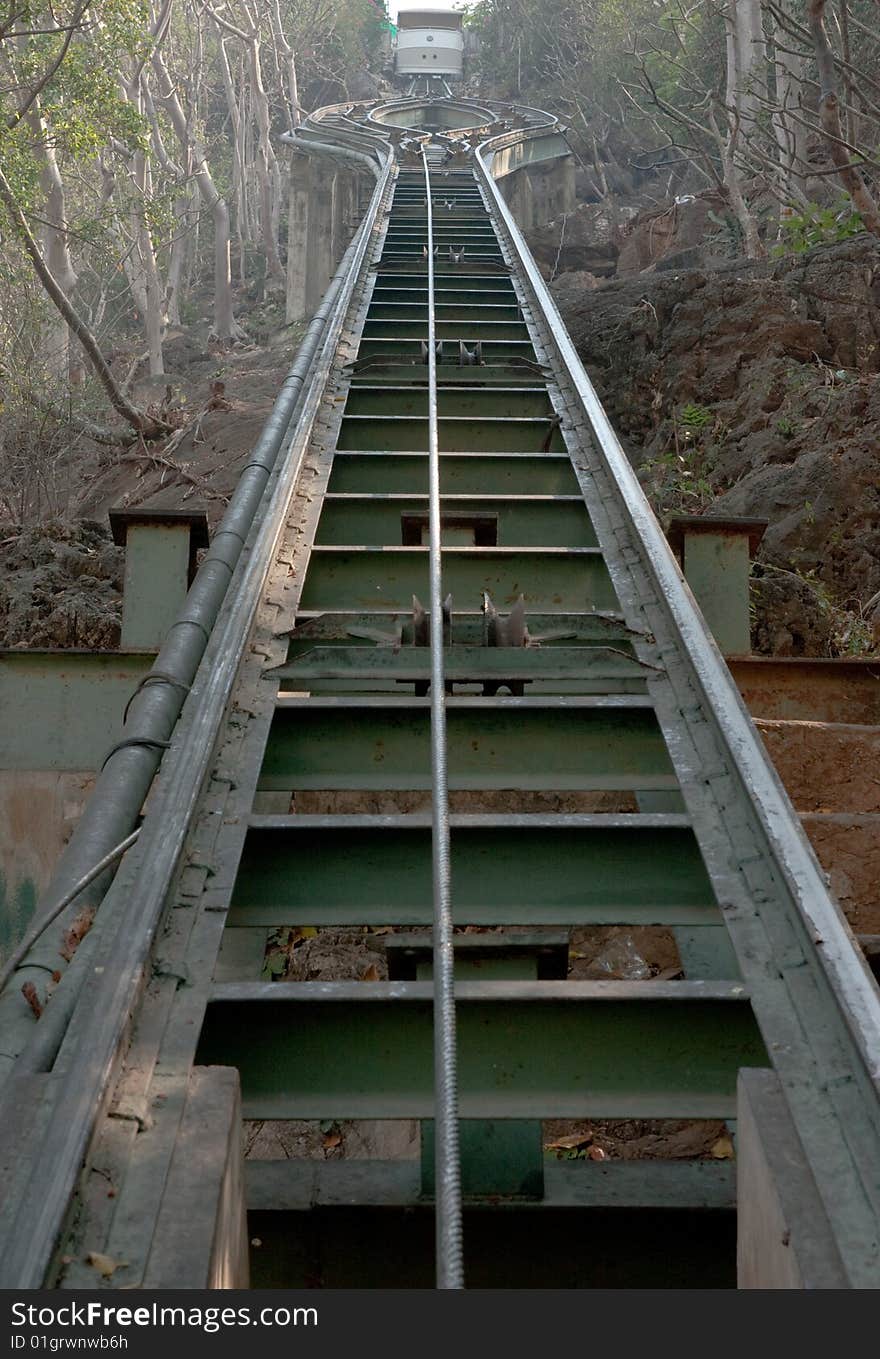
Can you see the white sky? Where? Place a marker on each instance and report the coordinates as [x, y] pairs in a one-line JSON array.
[[395, 6]]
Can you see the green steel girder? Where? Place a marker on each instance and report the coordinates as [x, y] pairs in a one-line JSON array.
[[460, 473], [540, 955], [556, 630], [506, 870], [497, 1156], [478, 257], [717, 567], [62, 710], [445, 227], [463, 283], [550, 579], [474, 236], [568, 744], [501, 295], [393, 370], [519, 521], [276, 1186], [391, 434], [462, 665], [464, 213], [387, 344], [383, 669], [525, 1049], [471, 330], [474, 403], [418, 311]]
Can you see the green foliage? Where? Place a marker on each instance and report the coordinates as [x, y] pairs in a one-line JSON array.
[[694, 419], [816, 225], [679, 481]]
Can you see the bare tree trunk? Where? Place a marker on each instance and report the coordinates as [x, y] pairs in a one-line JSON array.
[[265, 159], [154, 321], [727, 152], [746, 57], [177, 262], [225, 327], [289, 63], [139, 422], [790, 132], [238, 171], [55, 241], [170, 302], [829, 116]]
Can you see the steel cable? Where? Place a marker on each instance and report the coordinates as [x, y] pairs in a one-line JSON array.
[[447, 1170]]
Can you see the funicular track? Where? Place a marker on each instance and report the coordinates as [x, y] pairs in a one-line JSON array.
[[601, 770]]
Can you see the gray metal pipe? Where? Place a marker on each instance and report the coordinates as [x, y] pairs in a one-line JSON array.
[[309, 144], [123, 783]]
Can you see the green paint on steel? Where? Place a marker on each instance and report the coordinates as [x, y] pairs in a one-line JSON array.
[[471, 402], [498, 1156], [551, 580], [364, 1050], [464, 285], [460, 473], [499, 295], [408, 347], [717, 569], [374, 520], [532, 870], [470, 330], [62, 710], [567, 745], [558, 631], [414, 311], [394, 433], [462, 665], [156, 581], [18, 901]]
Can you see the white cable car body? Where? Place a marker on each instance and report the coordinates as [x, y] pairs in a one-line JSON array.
[[429, 43]]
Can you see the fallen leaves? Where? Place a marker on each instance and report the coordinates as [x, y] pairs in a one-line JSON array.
[[722, 1150], [331, 1135], [569, 1143], [281, 947], [29, 991], [579, 1146], [104, 1264]]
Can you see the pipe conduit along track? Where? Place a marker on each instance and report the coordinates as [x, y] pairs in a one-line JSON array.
[[457, 696]]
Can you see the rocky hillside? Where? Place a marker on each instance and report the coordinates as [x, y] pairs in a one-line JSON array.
[[754, 389]]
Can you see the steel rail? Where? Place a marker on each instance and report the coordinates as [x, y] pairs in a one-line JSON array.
[[447, 1168], [844, 1013], [139, 892]]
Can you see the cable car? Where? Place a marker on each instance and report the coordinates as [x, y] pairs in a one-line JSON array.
[[429, 43]]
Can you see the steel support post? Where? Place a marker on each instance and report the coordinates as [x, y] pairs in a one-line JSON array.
[[297, 240], [319, 254], [715, 554], [160, 551]]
